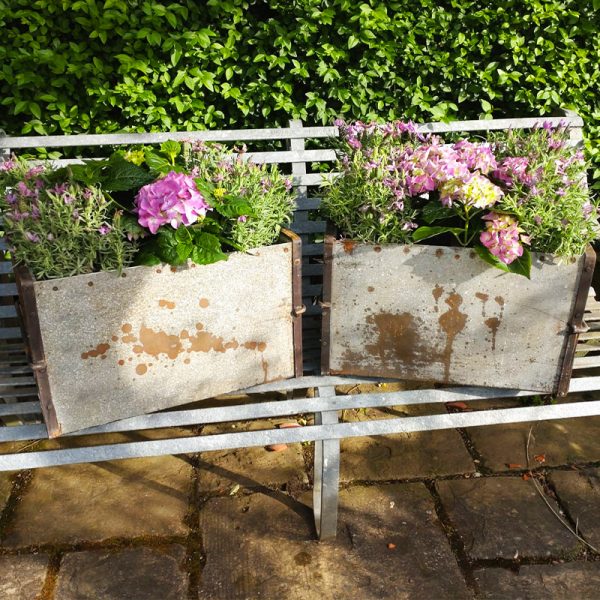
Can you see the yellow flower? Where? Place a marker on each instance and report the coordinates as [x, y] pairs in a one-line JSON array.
[[219, 193], [135, 156]]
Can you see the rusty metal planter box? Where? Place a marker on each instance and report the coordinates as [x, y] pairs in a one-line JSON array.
[[105, 347], [432, 313]]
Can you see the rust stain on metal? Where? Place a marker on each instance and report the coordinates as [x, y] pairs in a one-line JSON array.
[[492, 324], [204, 302], [166, 304], [90, 283], [457, 257], [159, 270], [129, 339], [452, 323], [99, 350], [173, 269], [138, 349], [348, 246], [437, 292], [439, 253], [265, 367], [377, 249], [121, 362], [406, 249], [187, 361], [397, 336], [204, 341], [141, 369], [126, 328], [114, 338], [370, 289], [156, 343], [484, 298], [286, 249]]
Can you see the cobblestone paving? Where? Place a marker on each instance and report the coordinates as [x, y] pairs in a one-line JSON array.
[[452, 514]]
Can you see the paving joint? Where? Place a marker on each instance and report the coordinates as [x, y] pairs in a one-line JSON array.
[[49, 588], [454, 540], [20, 483], [195, 556]]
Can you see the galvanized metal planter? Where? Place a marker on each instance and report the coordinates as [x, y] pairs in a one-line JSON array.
[[104, 347], [440, 314]]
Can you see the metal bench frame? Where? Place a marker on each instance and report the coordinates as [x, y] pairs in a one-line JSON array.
[[21, 413]]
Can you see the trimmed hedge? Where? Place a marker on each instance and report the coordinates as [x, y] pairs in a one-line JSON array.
[[99, 66]]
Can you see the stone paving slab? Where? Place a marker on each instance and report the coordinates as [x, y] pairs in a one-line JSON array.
[[577, 581], [579, 491], [263, 546], [562, 441], [250, 467], [404, 455], [22, 577], [96, 501], [131, 574], [504, 517]]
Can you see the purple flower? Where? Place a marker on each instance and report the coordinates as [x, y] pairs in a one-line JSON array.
[[173, 199], [59, 189], [32, 237], [502, 237], [7, 165], [104, 229], [242, 219], [288, 184], [11, 197]]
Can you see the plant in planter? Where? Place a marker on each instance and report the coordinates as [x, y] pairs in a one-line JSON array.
[[134, 275], [517, 201]]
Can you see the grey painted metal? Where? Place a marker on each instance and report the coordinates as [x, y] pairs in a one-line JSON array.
[[270, 409], [326, 474], [116, 347], [33, 460], [21, 408], [433, 313], [114, 139], [498, 124]]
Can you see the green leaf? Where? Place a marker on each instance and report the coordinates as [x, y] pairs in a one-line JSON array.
[[207, 249], [120, 175], [146, 256], [422, 233], [233, 207], [171, 148], [435, 211], [184, 250], [521, 266], [157, 163]]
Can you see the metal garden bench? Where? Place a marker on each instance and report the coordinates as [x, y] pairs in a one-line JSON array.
[[20, 410]]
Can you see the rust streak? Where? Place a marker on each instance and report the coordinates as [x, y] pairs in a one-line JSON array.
[[437, 292], [99, 350], [265, 368], [484, 298], [452, 323], [492, 324], [348, 246]]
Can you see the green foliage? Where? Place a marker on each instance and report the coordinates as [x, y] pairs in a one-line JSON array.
[[58, 227], [254, 199], [72, 66]]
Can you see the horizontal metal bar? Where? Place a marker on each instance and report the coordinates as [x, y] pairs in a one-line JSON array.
[[586, 362], [208, 443], [308, 204], [15, 370], [116, 139], [497, 124], [269, 409], [8, 289], [309, 227], [10, 333], [6, 266], [20, 408], [15, 381], [291, 156], [7, 311], [19, 393]]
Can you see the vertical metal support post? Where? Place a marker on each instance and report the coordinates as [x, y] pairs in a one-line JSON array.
[[326, 474], [4, 151]]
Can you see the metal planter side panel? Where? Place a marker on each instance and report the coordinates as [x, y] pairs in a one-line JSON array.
[[156, 337], [432, 313]]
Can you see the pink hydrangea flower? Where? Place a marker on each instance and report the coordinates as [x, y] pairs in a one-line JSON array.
[[173, 199], [502, 237]]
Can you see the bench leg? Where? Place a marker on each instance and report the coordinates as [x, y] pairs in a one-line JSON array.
[[326, 475]]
